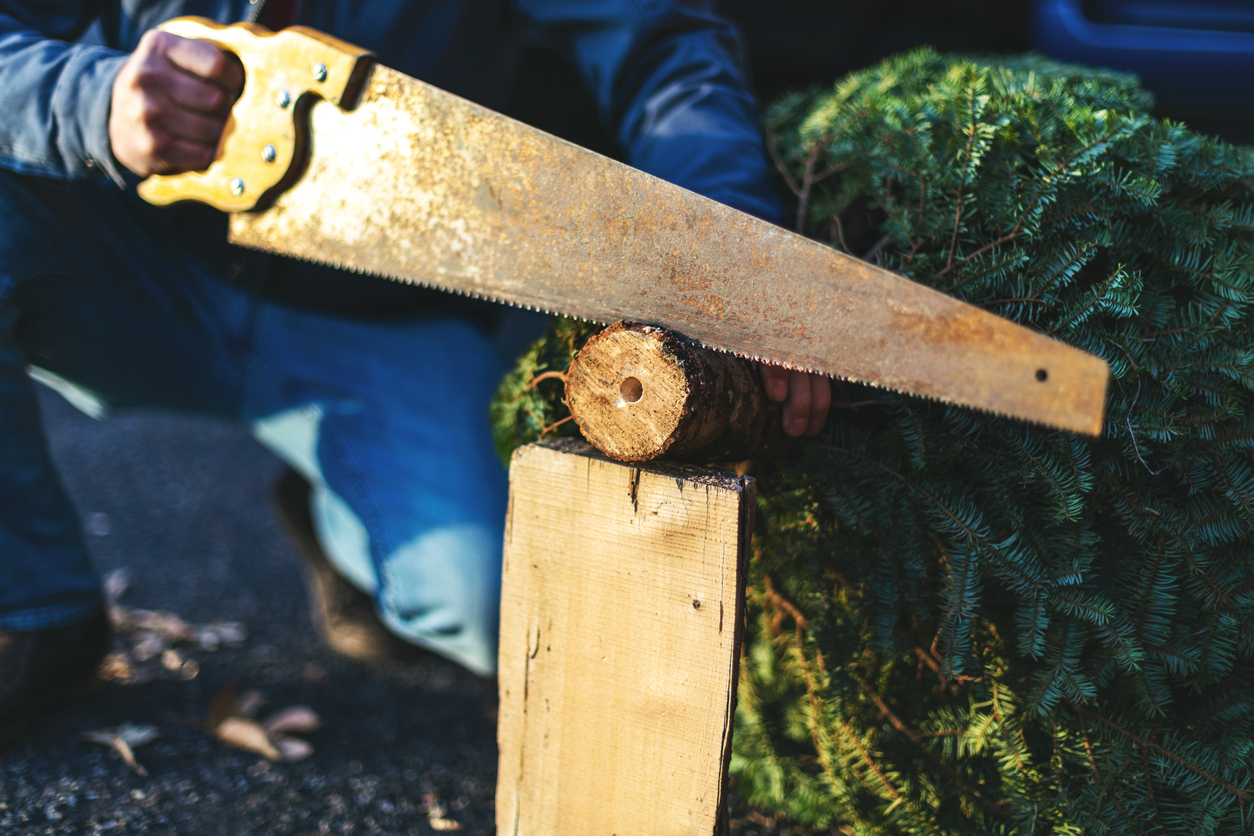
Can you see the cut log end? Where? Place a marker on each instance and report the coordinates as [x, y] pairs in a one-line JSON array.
[[639, 392]]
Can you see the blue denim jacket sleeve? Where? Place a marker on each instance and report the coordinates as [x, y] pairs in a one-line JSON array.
[[56, 101], [669, 80], [667, 76]]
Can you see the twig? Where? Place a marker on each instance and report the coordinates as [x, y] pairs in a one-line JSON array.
[[836, 169], [855, 405], [784, 604], [779, 163], [1149, 786], [1243, 796], [803, 197], [866, 758], [552, 375], [953, 242], [888, 713], [555, 425], [879, 245], [1010, 236], [1131, 434], [840, 232], [992, 303], [927, 658]]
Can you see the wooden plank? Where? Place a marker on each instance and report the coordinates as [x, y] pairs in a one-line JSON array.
[[621, 618]]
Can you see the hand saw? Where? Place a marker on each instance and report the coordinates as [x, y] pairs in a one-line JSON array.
[[329, 157]]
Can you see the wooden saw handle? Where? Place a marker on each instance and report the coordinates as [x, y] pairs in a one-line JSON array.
[[264, 140]]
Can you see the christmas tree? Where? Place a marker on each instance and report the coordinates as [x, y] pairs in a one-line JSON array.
[[961, 624]]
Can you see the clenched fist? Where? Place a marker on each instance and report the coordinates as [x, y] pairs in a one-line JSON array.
[[170, 103]]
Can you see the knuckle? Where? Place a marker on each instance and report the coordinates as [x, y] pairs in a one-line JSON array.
[[156, 41], [159, 144], [215, 61], [146, 75], [215, 100], [207, 129], [150, 114]]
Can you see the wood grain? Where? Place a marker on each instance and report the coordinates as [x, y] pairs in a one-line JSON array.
[[638, 392], [621, 614]]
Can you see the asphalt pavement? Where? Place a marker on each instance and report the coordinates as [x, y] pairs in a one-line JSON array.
[[182, 503]]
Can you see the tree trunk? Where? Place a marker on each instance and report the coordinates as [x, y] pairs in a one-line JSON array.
[[638, 392]]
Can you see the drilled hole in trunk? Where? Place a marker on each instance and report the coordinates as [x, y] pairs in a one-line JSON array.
[[631, 390]]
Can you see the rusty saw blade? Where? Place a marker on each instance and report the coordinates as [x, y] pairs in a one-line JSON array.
[[421, 186]]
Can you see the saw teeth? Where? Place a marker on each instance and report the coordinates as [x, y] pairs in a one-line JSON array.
[[753, 357]]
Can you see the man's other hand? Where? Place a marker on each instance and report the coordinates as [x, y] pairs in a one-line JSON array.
[[170, 103], [806, 398]]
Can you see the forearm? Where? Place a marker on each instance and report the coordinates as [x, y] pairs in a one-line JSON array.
[[692, 119], [54, 94], [669, 82]]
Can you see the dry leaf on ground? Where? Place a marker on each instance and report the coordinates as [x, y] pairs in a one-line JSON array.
[[247, 734], [124, 739], [435, 814], [293, 748], [230, 720], [250, 702], [146, 635], [298, 719]]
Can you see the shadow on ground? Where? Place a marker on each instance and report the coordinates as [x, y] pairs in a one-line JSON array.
[[186, 510], [182, 503]]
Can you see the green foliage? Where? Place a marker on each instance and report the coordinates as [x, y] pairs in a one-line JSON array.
[[530, 402], [963, 624]]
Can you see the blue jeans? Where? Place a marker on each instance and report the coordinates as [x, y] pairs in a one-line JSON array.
[[387, 419]]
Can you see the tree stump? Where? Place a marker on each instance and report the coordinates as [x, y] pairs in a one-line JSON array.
[[638, 392]]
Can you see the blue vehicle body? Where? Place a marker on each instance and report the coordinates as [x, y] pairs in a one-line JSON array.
[[1196, 56]]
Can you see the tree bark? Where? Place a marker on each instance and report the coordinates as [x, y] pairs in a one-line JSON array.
[[638, 392]]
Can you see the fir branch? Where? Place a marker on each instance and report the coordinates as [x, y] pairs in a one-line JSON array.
[[889, 715], [1097, 778], [1005, 239], [997, 809], [1000, 717], [1243, 796], [840, 233], [1048, 194], [968, 532], [870, 762], [966, 162], [817, 733], [1149, 788]]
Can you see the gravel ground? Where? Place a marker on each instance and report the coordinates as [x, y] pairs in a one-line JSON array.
[[182, 503]]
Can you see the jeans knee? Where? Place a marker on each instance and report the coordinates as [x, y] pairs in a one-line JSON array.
[[442, 590]]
